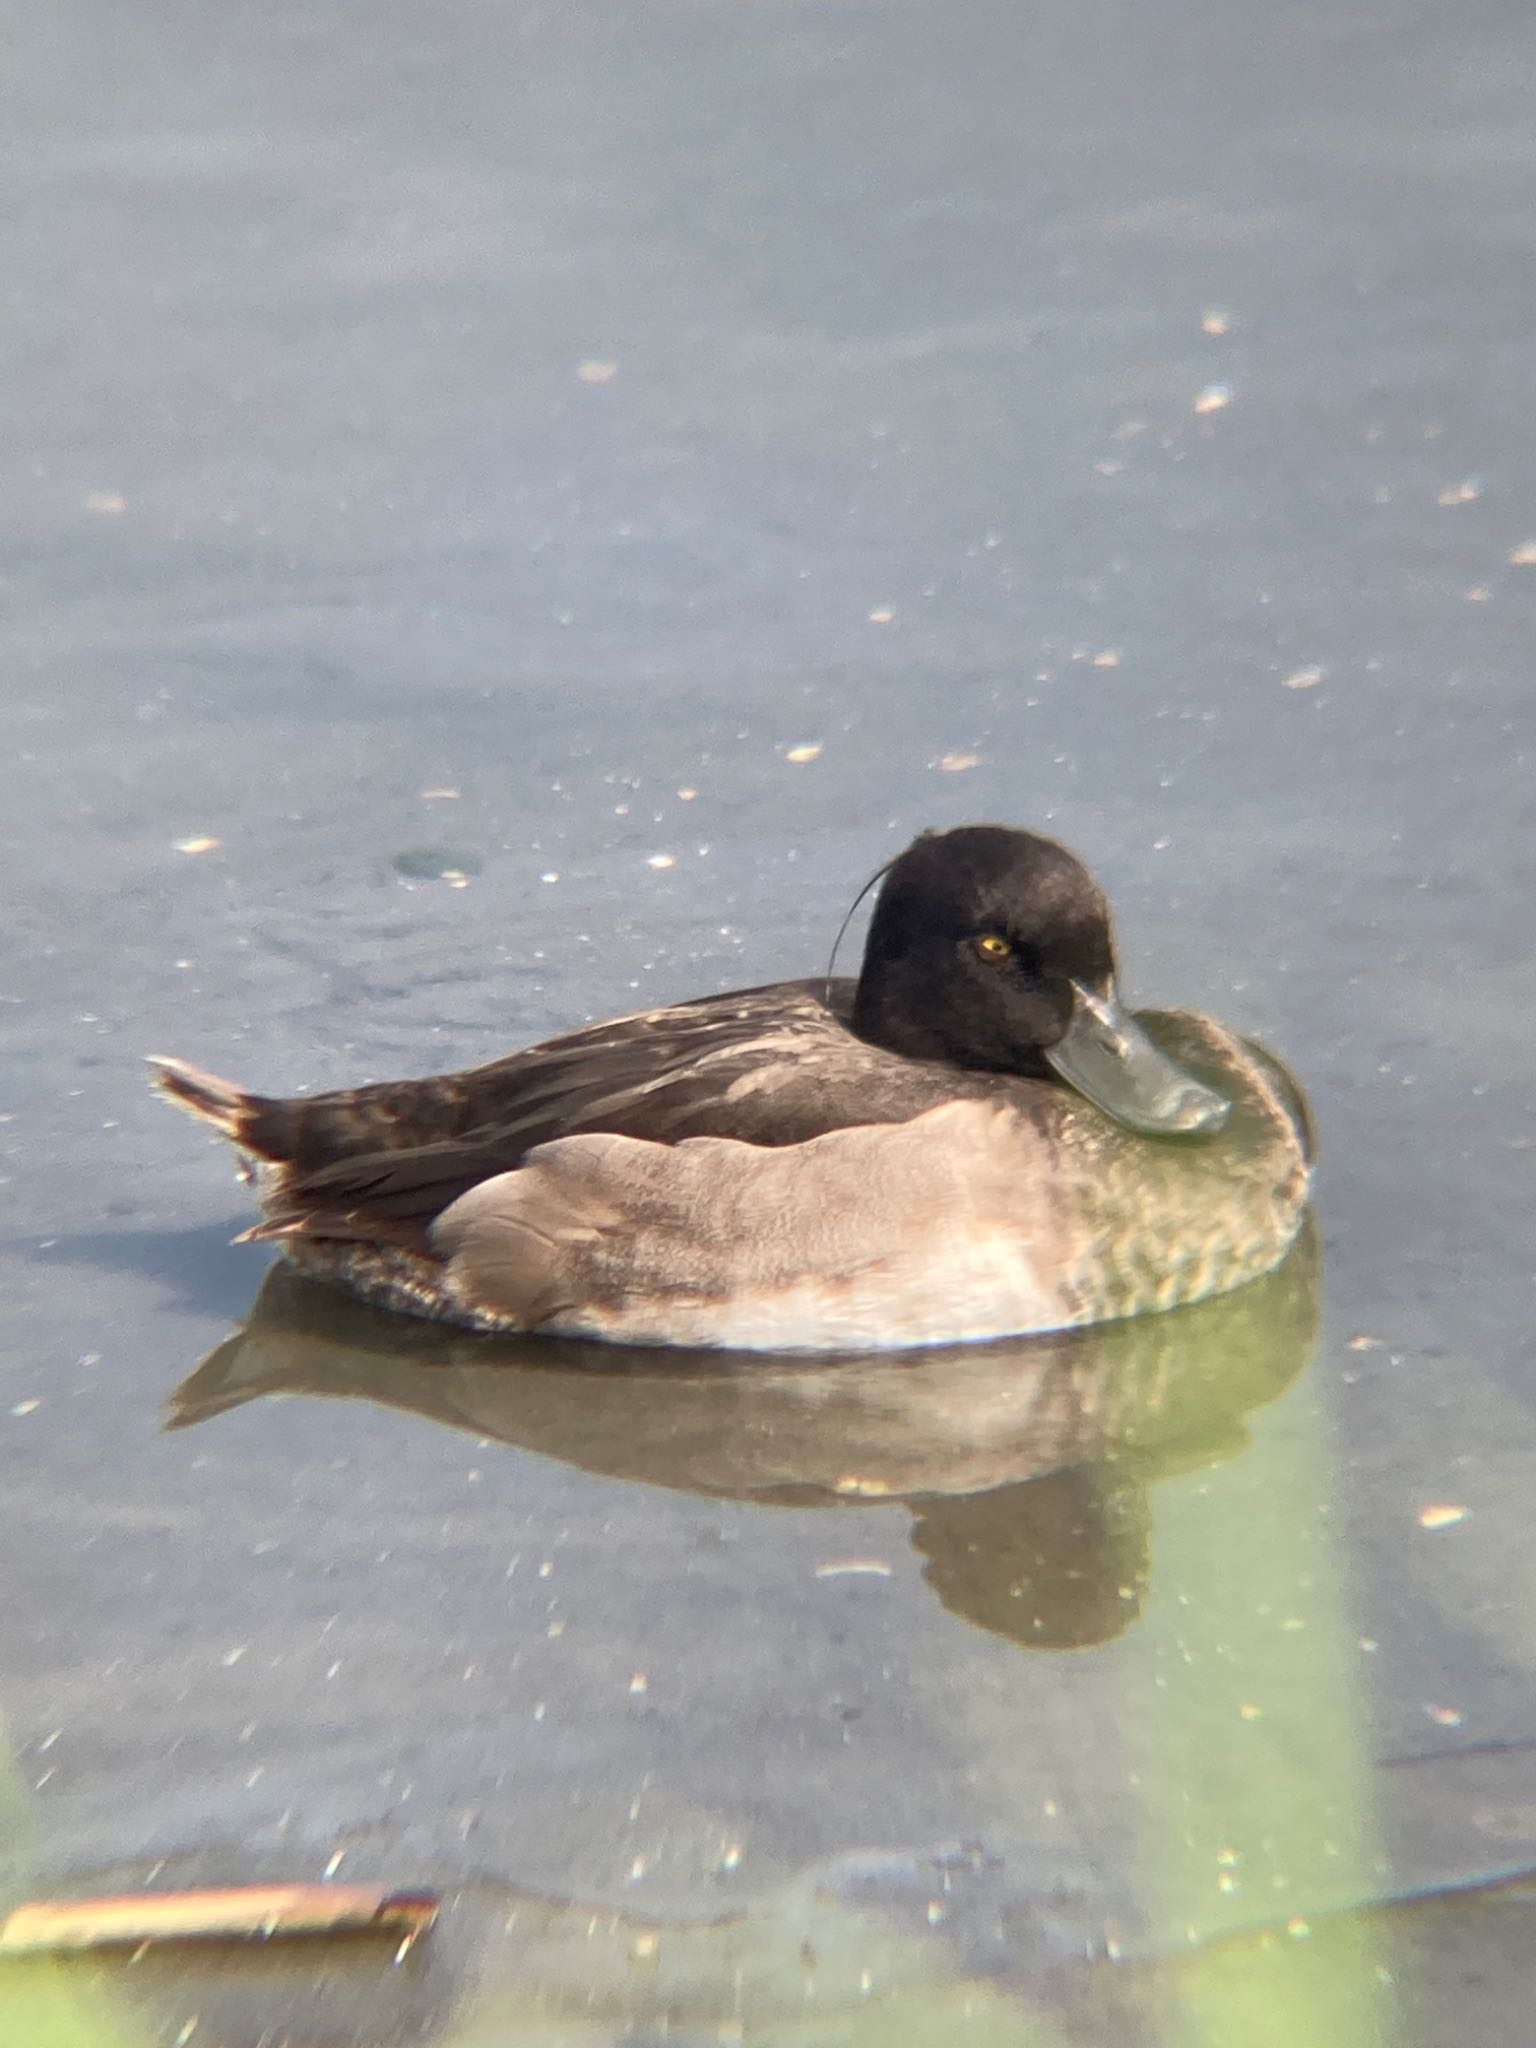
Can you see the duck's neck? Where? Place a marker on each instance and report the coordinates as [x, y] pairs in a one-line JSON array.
[[888, 1011], [894, 1008]]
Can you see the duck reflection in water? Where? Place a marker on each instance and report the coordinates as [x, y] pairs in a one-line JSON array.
[[1024, 1464]]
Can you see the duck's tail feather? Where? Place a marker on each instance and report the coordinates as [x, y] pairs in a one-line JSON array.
[[256, 1123]]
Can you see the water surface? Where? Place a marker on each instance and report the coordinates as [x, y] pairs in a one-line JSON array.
[[513, 515]]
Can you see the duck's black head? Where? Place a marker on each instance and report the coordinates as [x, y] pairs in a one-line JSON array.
[[991, 948], [974, 945]]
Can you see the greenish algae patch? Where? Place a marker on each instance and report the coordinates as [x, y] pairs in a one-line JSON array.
[[1258, 1808], [40, 2007], [39, 2004]]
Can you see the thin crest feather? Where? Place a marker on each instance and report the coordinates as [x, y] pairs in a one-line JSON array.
[[878, 876]]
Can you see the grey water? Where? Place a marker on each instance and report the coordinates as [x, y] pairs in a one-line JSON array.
[[511, 514]]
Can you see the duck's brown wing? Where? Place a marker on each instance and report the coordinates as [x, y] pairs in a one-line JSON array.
[[544, 1084], [771, 1066]]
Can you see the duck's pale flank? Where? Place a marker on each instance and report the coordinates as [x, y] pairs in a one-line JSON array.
[[974, 1139]]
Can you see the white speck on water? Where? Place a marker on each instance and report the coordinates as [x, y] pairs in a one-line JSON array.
[[1442, 1515], [1444, 1717]]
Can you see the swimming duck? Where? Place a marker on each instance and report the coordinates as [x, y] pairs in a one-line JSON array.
[[974, 1139]]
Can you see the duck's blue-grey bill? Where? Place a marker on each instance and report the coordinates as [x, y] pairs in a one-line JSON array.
[[1107, 1056]]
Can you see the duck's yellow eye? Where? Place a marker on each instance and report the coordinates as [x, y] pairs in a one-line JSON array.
[[993, 946]]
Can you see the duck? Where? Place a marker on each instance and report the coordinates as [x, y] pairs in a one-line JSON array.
[[974, 1138]]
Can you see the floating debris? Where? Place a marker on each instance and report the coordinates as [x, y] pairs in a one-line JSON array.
[[1302, 679], [1214, 321], [106, 504], [854, 1568], [661, 860], [808, 750], [201, 842], [1214, 398], [1523, 556], [597, 372], [882, 617], [262, 1912], [957, 764]]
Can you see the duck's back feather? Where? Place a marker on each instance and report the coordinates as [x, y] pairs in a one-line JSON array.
[[773, 1066]]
